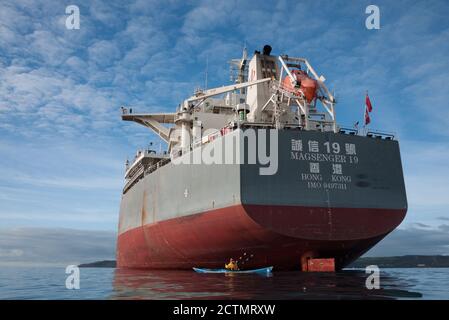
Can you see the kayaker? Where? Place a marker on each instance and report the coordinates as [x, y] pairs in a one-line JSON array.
[[232, 265]]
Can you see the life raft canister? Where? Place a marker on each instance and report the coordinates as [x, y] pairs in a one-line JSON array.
[[304, 83]]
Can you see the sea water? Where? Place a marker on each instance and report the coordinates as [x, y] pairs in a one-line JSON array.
[[108, 283]]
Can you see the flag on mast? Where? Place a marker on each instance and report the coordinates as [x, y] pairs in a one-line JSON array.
[[368, 109], [368, 103], [367, 118]]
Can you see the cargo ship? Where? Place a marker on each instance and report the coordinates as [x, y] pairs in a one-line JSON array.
[[259, 171]]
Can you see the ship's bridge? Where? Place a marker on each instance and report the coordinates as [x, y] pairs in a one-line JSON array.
[[145, 162]]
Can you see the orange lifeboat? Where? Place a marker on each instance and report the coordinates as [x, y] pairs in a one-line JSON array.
[[304, 83]]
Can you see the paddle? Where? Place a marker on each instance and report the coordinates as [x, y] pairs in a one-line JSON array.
[[247, 258]]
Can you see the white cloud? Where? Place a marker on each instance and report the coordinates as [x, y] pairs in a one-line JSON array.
[[8, 253], [415, 240], [109, 13], [104, 53], [56, 246], [426, 172], [51, 48]]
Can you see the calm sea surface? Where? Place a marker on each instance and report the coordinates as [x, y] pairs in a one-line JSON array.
[[99, 283]]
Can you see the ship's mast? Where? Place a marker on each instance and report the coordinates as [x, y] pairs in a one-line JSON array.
[[239, 69]]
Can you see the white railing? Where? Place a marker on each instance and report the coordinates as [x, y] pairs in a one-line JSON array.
[[368, 132]]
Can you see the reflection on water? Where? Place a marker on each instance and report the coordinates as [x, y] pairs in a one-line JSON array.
[[350, 284]]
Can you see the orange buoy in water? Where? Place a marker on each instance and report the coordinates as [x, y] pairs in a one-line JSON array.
[[303, 82]]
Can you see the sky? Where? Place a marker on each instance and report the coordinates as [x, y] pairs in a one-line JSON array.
[[63, 145]]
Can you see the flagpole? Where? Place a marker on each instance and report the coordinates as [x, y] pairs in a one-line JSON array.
[[365, 112], [363, 117]]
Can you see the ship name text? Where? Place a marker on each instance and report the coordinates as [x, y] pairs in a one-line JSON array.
[[339, 156]]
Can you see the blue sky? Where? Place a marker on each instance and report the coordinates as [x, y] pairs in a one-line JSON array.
[[62, 143]]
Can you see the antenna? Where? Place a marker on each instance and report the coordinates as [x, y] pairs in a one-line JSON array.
[[207, 67]]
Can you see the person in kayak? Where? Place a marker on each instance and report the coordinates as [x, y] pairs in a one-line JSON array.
[[232, 265]]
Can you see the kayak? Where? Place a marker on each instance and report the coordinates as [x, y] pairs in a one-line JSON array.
[[261, 270]]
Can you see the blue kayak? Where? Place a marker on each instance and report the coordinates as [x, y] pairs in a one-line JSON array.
[[261, 270]]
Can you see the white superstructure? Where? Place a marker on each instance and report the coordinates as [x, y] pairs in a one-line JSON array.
[[269, 91]]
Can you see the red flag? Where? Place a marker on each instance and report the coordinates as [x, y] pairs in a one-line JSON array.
[[368, 103], [367, 118]]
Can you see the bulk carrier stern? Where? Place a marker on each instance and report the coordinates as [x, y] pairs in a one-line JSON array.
[[335, 194]]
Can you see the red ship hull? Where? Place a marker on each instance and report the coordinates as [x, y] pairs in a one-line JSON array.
[[251, 234]]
